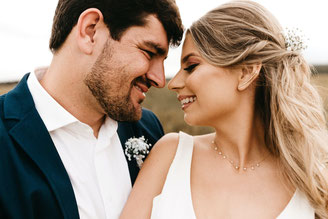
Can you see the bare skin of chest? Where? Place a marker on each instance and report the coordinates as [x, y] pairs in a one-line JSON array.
[[219, 191]]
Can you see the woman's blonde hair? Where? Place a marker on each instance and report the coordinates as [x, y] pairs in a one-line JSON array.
[[242, 33]]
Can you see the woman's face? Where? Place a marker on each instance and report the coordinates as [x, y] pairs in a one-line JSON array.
[[207, 93]]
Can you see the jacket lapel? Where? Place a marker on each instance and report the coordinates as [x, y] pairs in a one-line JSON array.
[[125, 131], [28, 130]]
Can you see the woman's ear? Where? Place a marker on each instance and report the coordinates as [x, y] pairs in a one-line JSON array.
[[87, 27], [248, 74]]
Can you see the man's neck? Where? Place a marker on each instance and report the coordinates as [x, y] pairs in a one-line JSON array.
[[70, 92]]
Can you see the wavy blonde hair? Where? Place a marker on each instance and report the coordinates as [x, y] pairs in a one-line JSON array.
[[242, 33]]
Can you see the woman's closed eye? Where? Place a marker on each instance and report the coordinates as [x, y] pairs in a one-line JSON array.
[[190, 68]]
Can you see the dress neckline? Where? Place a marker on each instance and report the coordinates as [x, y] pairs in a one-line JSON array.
[[289, 205], [175, 200]]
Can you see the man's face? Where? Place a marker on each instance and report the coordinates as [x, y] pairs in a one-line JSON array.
[[126, 69]]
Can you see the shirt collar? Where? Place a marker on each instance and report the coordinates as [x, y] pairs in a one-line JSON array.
[[54, 116], [107, 130]]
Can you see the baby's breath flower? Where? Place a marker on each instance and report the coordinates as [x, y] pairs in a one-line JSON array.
[[137, 148], [294, 40]]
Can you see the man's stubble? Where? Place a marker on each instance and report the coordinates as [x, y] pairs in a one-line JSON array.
[[107, 82]]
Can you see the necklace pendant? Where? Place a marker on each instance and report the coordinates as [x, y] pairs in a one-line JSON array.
[[237, 167]]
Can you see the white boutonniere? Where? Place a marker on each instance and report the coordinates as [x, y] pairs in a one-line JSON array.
[[137, 148]]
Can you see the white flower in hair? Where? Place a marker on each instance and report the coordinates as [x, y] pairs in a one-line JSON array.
[[137, 148], [294, 39]]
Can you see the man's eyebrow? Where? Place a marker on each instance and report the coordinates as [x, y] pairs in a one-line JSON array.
[[159, 50], [184, 60]]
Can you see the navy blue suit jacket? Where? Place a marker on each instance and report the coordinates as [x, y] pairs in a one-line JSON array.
[[33, 180]]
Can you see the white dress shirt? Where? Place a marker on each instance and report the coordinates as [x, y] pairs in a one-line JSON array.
[[97, 167]]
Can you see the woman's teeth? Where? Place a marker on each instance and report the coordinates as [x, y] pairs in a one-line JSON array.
[[188, 100]]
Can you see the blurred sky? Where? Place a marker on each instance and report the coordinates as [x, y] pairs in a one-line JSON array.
[[25, 28]]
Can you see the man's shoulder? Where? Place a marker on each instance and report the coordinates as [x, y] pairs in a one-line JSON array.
[[148, 115], [4, 135], [14, 105], [5, 124], [149, 119], [2, 98]]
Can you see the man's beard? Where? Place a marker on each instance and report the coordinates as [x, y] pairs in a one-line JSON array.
[[108, 84]]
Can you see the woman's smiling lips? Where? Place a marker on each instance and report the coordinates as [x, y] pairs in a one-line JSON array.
[[186, 100]]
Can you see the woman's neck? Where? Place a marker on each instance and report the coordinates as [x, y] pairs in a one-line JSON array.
[[242, 141]]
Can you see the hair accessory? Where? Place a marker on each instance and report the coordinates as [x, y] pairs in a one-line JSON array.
[[294, 39]]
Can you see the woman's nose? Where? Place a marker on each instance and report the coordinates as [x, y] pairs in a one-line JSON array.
[[177, 82]]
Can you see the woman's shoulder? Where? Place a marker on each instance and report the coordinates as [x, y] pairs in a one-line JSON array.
[[165, 149], [166, 146], [162, 154], [170, 138], [169, 142]]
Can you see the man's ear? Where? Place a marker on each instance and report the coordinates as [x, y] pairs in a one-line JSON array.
[[87, 27], [248, 75]]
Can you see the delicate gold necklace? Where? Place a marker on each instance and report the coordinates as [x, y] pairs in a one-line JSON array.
[[235, 165]]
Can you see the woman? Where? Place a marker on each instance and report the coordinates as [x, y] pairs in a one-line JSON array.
[[267, 157]]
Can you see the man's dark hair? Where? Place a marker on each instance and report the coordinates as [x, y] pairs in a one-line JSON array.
[[119, 15]]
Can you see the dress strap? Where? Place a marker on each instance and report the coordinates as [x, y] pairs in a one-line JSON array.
[[179, 172], [175, 201], [298, 207]]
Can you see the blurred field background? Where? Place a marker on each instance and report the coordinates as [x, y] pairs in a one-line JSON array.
[[165, 105]]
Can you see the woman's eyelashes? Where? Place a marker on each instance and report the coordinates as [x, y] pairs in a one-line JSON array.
[[190, 68]]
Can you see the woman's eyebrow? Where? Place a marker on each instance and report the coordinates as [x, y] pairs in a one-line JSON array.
[[184, 59]]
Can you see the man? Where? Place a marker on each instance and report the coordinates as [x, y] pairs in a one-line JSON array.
[[63, 129]]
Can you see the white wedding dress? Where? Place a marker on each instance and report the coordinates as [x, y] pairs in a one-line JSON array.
[[175, 200]]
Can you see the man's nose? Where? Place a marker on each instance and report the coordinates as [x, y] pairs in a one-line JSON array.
[[156, 74]]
